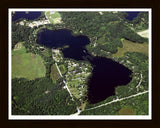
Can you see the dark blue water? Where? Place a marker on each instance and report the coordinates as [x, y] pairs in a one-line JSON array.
[[131, 15], [28, 16], [63, 37], [106, 73]]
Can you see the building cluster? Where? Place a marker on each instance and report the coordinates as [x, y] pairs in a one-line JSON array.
[[34, 23], [57, 55], [76, 76], [37, 23]]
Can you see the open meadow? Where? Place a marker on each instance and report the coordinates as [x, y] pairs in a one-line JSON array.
[[26, 65], [129, 46], [54, 75]]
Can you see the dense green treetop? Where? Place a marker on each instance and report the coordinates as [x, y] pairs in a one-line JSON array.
[[141, 22]]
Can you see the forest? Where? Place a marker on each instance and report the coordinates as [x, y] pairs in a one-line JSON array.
[[141, 21], [40, 96], [106, 29], [139, 106]]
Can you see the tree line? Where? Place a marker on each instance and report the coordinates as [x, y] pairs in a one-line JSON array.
[[40, 96], [108, 27]]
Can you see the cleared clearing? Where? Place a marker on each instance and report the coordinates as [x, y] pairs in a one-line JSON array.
[[129, 46], [126, 111], [54, 17], [26, 65], [54, 75]]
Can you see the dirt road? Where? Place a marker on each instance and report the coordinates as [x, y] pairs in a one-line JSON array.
[[144, 33]]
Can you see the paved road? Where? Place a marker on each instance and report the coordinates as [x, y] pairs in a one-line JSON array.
[[58, 69], [117, 100], [78, 111], [63, 80]]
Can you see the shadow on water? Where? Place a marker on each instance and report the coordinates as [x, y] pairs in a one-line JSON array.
[[106, 73]]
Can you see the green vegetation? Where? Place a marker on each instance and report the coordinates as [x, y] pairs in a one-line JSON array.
[[38, 29], [40, 97], [45, 96], [77, 77], [141, 21], [129, 46], [54, 75], [26, 65], [53, 17], [62, 69], [104, 31], [138, 105], [138, 63], [20, 33], [126, 111]]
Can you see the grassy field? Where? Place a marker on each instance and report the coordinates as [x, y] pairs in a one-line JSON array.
[[129, 46], [53, 17], [54, 75], [62, 69], [26, 65], [72, 85], [126, 111], [74, 92]]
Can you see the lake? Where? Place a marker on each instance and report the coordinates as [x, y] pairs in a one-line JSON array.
[[33, 15], [26, 15], [106, 73], [131, 15]]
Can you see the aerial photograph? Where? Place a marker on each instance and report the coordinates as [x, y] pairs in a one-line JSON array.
[[79, 63]]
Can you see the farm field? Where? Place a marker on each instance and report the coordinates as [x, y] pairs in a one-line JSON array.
[[129, 46], [26, 65]]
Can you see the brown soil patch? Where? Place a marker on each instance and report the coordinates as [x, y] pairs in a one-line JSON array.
[[126, 111], [82, 107]]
